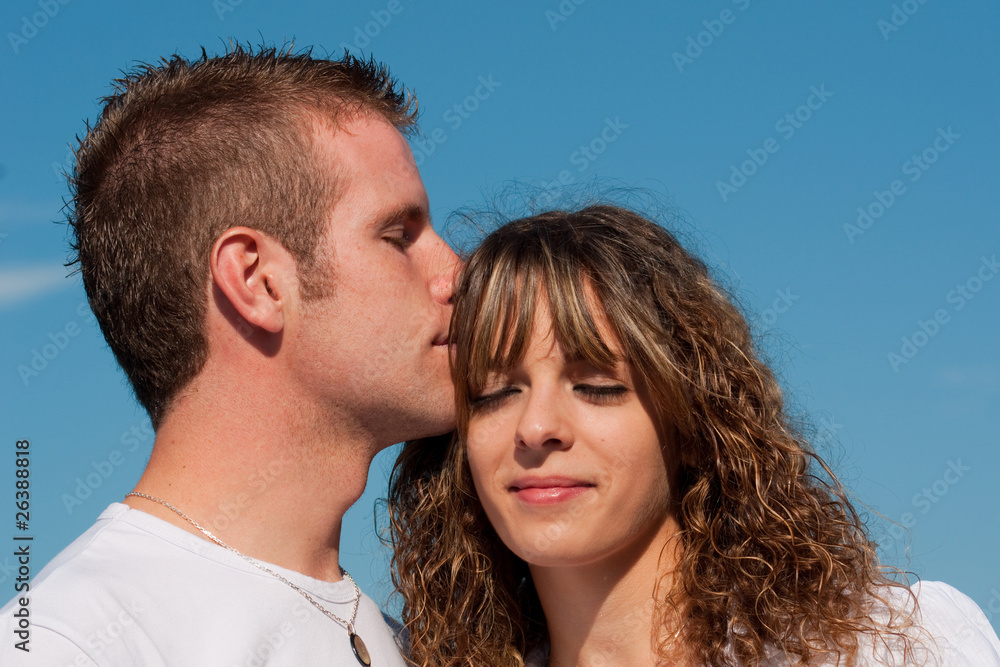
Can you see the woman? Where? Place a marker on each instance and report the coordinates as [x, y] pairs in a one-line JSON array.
[[625, 488]]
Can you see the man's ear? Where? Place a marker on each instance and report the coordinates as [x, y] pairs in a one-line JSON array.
[[256, 273]]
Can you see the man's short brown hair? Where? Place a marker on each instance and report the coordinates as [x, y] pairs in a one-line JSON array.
[[184, 150]]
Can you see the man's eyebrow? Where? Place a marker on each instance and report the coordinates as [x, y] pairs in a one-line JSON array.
[[407, 212]]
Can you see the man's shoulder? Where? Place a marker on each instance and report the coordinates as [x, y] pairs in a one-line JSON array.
[[118, 544], [75, 564], [127, 561], [81, 597], [134, 589]]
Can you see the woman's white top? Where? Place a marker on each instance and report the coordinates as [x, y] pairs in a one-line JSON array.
[[954, 632]]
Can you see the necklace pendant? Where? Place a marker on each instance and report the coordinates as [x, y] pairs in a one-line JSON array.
[[360, 650]]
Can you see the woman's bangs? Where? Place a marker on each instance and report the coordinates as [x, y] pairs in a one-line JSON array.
[[580, 319], [506, 318], [502, 327]]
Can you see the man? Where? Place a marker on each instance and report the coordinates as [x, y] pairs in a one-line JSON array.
[[255, 241]]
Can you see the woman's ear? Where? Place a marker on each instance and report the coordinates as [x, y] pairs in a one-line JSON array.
[[256, 274]]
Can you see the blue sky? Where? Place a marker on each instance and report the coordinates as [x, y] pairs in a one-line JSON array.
[[834, 162]]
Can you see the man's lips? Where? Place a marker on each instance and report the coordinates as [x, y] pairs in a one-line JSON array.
[[549, 490]]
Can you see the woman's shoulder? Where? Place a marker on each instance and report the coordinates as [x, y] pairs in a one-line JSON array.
[[948, 629], [952, 631], [958, 628]]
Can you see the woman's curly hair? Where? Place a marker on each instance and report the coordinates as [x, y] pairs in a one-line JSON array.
[[773, 557]]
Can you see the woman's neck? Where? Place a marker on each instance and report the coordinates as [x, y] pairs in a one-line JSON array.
[[603, 613]]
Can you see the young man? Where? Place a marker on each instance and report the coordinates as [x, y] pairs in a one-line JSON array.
[[255, 241]]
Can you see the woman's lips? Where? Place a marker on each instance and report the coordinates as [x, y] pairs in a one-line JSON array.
[[550, 490]]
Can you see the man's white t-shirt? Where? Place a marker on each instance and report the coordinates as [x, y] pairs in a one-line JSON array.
[[136, 590]]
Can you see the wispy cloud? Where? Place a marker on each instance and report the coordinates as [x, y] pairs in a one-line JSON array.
[[28, 282]]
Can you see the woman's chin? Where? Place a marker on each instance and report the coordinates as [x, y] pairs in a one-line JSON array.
[[544, 551]]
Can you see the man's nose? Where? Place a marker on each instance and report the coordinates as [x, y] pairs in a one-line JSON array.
[[446, 265]]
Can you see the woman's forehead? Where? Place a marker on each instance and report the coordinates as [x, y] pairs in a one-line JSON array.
[[573, 334]]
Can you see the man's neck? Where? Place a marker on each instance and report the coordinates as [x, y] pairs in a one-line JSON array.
[[272, 483]]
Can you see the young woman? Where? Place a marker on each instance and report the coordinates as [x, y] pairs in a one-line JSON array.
[[624, 487]]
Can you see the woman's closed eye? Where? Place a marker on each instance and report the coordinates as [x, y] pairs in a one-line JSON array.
[[602, 393], [493, 399]]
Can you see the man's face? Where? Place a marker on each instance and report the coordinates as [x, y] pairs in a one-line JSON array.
[[376, 351]]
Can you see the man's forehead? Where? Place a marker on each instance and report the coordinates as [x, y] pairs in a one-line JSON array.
[[373, 170], [355, 135]]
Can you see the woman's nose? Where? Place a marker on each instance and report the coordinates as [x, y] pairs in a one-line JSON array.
[[543, 423]]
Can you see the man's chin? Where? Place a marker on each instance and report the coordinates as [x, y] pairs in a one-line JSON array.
[[425, 415], [442, 427], [432, 422]]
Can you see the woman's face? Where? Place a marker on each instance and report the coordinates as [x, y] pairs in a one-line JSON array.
[[567, 459]]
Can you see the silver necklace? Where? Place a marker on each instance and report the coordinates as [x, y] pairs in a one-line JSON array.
[[357, 645]]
